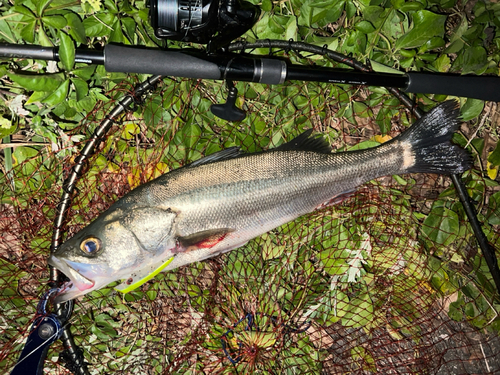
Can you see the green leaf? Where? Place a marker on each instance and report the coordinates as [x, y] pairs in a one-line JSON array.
[[426, 25], [43, 39], [411, 6], [494, 157], [41, 5], [355, 43], [6, 31], [28, 31], [365, 27], [335, 262], [6, 127], [273, 251], [116, 34], [359, 311], [442, 63], [267, 5], [56, 21], [66, 50], [327, 3], [383, 120], [381, 68], [58, 95], [35, 82], [472, 60], [493, 214], [471, 109], [23, 153], [191, 134], [99, 25], [76, 28], [24, 11], [130, 27], [37, 96], [81, 88], [441, 226], [85, 73]]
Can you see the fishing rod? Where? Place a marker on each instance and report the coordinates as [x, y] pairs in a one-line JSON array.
[[191, 63]]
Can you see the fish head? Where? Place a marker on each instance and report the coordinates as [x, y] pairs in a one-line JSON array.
[[114, 246]]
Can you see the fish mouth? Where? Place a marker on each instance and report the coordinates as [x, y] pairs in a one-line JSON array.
[[78, 284]]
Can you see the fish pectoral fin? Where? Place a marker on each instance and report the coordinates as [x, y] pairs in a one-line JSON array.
[[203, 240], [142, 276]]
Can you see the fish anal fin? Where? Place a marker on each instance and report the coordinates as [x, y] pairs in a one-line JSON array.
[[202, 240], [339, 198]]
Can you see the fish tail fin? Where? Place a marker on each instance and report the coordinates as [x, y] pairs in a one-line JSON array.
[[427, 143]]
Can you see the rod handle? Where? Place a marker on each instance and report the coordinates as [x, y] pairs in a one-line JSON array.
[[126, 59], [478, 87]]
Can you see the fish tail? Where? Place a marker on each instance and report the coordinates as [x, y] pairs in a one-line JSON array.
[[427, 143]]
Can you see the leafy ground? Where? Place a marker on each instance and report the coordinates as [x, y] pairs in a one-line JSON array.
[[367, 268]]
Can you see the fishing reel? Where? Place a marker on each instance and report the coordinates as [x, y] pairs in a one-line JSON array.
[[215, 22]]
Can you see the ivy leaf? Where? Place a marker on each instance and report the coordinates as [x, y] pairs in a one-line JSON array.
[[28, 31], [76, 28], [191, 134], [441, 226], [6, 32], [58, 95], [81, 88], [85, 73], [43, 39], [6, 127], [98, 25], [56, 21], [471, 60], [327, 3], [426, 26], [66, 51], [494, 157], [493, 214], [471, 109], [41, 5], [116, 35], [130, 27], [359, 311], [25, 11], [35, 82]]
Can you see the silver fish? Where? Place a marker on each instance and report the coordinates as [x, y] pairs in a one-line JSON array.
[[224, 200]]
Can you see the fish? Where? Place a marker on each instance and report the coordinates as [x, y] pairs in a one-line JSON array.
[[224, 200]]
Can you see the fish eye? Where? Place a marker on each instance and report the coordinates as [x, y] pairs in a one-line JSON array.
[[90, 245]]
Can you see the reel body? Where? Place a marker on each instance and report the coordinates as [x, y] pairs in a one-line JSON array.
[[202, 21]]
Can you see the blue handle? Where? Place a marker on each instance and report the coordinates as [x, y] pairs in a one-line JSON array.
[[45, 330]]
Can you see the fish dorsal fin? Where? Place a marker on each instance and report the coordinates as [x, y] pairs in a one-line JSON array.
[[228, 153], [306, 142]]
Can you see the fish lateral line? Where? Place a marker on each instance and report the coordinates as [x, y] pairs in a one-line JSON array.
[[130, 284]]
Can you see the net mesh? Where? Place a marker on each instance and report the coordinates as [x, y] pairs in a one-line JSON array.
[[388, 280]]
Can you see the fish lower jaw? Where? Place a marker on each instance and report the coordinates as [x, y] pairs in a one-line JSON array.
[[79, 281], [77, 285]]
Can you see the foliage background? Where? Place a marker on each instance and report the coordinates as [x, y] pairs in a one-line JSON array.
[[49, 109]]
